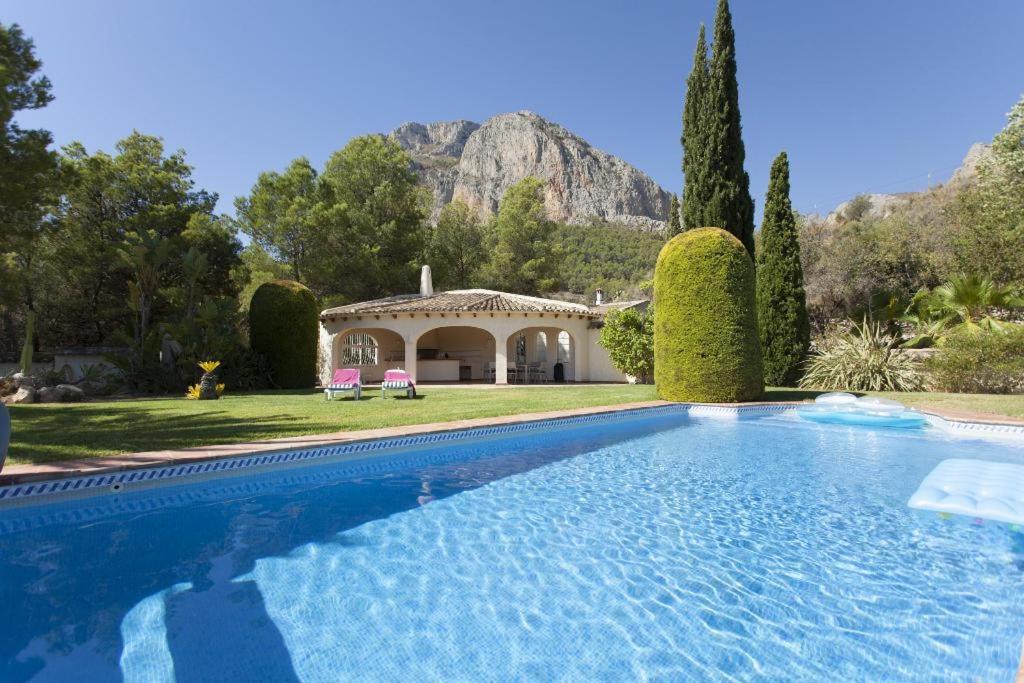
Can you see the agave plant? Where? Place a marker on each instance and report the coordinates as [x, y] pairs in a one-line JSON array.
[[863, 359], [208, 382]]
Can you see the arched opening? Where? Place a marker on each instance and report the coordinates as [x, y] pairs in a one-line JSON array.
[[457, 353], [541, 344], [372, 350], [540, 354], [359, 348], [564, 356]]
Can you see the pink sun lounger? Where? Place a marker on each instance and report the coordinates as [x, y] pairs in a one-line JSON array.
[[398, 380], [347, 379]]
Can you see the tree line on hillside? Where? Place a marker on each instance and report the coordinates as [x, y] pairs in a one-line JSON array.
[[856, 262]]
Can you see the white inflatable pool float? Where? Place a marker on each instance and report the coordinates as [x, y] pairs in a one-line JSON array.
[[975, 488], [843, 408]]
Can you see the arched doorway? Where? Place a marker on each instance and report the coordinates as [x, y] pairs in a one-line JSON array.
[[535, 355], [455, 353], [372, 350]]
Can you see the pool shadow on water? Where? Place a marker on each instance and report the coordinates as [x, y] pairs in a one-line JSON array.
[[224, 628], [98, 571]]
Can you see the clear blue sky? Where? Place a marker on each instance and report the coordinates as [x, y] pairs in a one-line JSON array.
[[865, 96]]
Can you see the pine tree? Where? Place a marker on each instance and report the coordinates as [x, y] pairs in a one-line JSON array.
[[695, 189], [781, 302], [674, 227], [729, 205], [524, 256]]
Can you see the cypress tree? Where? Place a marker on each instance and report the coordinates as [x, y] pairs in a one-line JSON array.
[[781, 303], [729, 205], [695, 188], [674, 228]]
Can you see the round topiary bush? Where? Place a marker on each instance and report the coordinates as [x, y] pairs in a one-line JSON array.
[[706, 346], [283, 328]]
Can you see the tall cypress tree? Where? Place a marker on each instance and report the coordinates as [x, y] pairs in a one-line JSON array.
[[695, 189], [674, 227], [781, 303], [729, 205]]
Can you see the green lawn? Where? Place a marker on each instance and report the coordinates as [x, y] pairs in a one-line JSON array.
[[51, 432], [48, 432]]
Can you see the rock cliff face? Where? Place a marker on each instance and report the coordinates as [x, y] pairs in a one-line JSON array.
[[968, 170], [477, 163], [879, 206]]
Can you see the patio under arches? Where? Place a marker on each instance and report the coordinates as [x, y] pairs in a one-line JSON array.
[[372, 350], [534, 352], [454, 353]]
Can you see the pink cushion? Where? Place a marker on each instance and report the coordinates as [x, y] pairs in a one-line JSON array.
[[397, 376], [346, 376]]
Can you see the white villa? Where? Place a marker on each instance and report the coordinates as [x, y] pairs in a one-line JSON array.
[[468, 334]]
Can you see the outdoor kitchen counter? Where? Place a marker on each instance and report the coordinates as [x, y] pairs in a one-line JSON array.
[[440, 370]]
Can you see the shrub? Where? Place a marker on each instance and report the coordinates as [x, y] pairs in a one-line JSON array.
[[628, 335], [705, 326], [283, 327], [246, 370], [862, 359], [989, 362]]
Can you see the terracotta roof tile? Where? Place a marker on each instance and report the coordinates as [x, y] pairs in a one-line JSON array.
[[459, 300]]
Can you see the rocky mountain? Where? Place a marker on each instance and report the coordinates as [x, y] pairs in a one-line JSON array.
[[878, 206], [478, 162], [968, 170]]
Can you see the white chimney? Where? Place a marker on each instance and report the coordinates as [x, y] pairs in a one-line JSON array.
[[426, 282], [598, 296]]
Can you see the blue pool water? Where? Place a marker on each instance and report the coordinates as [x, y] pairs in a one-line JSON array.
[[656, 546]]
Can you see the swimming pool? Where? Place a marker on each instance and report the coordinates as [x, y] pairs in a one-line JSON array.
[[653, 544]]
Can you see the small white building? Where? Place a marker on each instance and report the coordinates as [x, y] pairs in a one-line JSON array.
[[466, 335]]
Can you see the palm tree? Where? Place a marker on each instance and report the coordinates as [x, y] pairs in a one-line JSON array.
[[924, 319], [969, 304]]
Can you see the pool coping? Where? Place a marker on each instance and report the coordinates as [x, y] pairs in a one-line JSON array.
[[14, 475], [62, 469]]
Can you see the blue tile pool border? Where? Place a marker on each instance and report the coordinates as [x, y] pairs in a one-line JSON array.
[[123, 480]]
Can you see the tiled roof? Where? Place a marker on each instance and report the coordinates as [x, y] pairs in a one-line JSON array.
[[468, 300], [619, 306]]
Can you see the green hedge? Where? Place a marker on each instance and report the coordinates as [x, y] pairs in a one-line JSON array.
[[985, 362], [706, 346], [284, 329]]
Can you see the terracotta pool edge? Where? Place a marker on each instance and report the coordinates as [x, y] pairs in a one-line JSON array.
[[64, 469]]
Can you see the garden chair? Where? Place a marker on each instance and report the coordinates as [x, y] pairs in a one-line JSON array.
[[346, 379], [398, 380], [536, 372]]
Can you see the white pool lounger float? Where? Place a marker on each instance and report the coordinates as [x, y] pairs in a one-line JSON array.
[[976, 488], [867, 411]]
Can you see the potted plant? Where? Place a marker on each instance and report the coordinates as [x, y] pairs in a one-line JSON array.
[[208, 382]]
